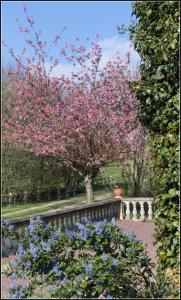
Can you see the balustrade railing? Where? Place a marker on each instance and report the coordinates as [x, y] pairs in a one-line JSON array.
[[65, 219], [137, 209]]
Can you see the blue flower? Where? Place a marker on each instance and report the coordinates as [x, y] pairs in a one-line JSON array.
[[51, 242], [32, 228], [34, 250], [11, 228], [104, 257], [70, 234], [165, 289], [128, 250], [84, 233], [99, 227], [64, 282], [13, 276], [14, 262], [115, 262], [13, 287], [51, 288], [45, 247], [24, 286], [99, 282], [87, 267], [56, 271], [22, 274], [79, 277], [46, 227], [21, 250], [27, 265], [79, 225], [113, 221], [35, 237], [55, 234]]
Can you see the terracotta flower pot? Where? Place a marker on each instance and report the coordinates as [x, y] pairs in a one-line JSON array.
[[118, 192]]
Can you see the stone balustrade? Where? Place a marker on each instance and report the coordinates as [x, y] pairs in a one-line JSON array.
[[63, 220], [136, 209]]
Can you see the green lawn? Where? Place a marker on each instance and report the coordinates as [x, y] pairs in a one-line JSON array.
[[27, 210]]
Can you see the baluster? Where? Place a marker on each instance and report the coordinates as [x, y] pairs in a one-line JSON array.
[[99, 214], [150, 211], [63, 224], [103, 213], [95, 215], [66, 222], [111, 211], [134, 211], [78, 217], [142, 212], [52, 224], [115, 209], [90, 215], [121, 210], [73, 221], [60, 225], [118, 210], [127, 210], [56, 224]]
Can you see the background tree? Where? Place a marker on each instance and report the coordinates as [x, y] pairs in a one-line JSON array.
[[155, 35], [136, 171], [85, 120], [25, 171]]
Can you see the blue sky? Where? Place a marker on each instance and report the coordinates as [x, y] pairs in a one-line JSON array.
[[82, 19]]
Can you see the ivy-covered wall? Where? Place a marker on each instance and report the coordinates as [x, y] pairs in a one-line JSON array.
[[155, 35]]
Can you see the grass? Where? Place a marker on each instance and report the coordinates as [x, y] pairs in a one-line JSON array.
[[27, 210], [37, 211]]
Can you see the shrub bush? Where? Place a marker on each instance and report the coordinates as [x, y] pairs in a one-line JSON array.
[[96, 260]]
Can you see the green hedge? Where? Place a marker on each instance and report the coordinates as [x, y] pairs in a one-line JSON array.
[[155, 35]]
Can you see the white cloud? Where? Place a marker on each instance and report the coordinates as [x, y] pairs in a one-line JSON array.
[[110, 47]]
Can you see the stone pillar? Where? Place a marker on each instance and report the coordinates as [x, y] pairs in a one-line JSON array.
[[142, 212], [150, 211], [121, 210], [127, 210], [134, 211]]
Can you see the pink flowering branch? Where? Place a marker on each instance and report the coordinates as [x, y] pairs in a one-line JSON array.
[[86, 120]]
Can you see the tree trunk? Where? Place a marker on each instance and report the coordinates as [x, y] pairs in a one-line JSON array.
[[89, 189]]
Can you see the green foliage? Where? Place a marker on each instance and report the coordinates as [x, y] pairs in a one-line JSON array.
[[23, 171], [155, 35], [96, 260]]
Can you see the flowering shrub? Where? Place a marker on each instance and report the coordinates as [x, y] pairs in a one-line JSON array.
[[96, 260], [8, 230], [10, 238]]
